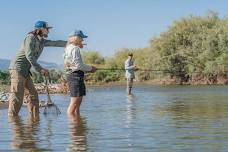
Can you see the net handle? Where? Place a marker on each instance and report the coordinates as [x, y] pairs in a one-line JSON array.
[[47, 90]]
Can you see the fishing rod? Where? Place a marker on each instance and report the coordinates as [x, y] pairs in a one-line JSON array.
[[149, 70], [121, 69]]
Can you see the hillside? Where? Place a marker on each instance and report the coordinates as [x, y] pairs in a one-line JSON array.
[[4, 65]]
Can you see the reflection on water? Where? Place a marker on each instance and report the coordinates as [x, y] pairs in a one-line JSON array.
[[200, 123], [24, 134], [131, 109], [195, 109], [49, 133], [131, 114], [173, 118], [77, 130]]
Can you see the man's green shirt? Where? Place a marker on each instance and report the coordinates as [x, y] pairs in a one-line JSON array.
[[29, 53]]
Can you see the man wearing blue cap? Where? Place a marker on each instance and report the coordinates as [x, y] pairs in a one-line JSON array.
[[75, 70], [27, 57]]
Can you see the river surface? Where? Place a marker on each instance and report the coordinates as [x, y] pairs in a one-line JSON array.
[[154, 118]]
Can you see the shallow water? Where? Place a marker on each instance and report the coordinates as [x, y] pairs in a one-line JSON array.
[[174, 118]]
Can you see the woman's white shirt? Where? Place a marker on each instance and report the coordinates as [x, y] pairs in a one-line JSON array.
[[72, 54]]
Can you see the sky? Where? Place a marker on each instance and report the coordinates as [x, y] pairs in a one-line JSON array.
[[110, 24]]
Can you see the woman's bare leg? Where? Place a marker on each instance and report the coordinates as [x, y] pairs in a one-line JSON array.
[[74, 106]]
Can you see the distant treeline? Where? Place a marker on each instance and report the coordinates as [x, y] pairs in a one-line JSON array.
[[194, 49]]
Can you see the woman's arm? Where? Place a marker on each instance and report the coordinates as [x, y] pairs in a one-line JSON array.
[[77, 59]]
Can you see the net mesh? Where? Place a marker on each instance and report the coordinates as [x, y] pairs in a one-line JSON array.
[[50, 107]]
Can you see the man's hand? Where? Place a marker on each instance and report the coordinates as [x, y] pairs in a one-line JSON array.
[[44, 72], [94, 69]]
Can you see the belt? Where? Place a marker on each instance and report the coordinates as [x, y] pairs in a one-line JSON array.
[[78, 71]]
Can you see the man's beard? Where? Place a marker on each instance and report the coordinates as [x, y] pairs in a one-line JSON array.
[[44, 35]]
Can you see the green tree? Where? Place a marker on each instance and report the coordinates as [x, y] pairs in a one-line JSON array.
[[4, 77], [92, 57]]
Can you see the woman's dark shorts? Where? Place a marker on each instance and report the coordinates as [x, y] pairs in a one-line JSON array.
[[76, 84]]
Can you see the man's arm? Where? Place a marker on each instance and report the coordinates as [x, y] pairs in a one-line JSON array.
[[29, 52], [58, 43], [127, 65]]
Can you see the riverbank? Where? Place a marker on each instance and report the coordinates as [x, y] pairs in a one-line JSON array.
[[62, 87]]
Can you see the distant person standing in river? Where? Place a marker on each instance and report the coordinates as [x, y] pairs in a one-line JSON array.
[[75, 69], [130, 75], [20, 66]]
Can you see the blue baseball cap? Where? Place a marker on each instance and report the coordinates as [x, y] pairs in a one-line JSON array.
[[77, 33], [41, 24]]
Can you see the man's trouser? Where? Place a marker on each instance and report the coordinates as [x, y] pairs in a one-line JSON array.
[[129, 85], [19, 87]]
